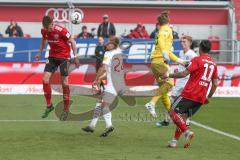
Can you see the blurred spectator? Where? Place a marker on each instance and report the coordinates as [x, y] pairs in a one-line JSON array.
[[174, 33], [14, 30], [84, 33], [139, 32], [27, 35], [106, 28], [99, 52], [155, 32], [93, 32], [1, 35]]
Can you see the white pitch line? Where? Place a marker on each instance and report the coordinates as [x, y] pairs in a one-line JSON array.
[[55, 120], [27, 120], [216, 130], [192, 122]]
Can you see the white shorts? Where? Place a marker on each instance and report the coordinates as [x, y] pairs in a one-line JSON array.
[[176, 91], [109, 94]]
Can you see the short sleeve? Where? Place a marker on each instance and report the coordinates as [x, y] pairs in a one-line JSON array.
[[43, 32], [106, 59], [192, 55], [193, 65], [65, 34]]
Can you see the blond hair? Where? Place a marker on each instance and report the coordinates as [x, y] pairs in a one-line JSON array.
[[189, 38]]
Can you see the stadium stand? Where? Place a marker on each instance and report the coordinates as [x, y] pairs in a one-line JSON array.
[[31, 22], [237, 13], [200, 19]]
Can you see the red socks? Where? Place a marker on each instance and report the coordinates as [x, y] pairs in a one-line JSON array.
[[47, 93], [178, 120], [66, 98], [178, 133]]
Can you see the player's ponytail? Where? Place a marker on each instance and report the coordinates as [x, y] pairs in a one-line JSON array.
[[163, 18]]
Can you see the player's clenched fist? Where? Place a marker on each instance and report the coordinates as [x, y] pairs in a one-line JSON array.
[[76, 62]]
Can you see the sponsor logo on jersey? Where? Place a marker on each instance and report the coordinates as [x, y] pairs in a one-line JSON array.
[[56, 36]]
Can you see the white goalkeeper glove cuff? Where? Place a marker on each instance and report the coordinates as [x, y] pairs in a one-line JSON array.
[[182, 62], [165, 55]]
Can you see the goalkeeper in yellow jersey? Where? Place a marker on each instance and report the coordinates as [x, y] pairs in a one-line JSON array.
[[161, 55]]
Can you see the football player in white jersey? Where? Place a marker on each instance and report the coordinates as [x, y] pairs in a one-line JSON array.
[[186, 54], [112, 71]]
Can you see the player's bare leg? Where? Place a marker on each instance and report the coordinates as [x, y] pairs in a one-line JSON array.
[[66, 97], [47, 93]]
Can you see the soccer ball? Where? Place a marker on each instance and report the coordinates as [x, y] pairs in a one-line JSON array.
[[76, 17]]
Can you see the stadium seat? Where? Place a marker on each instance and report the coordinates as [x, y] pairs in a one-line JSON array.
[[237, 16], [215, 43]]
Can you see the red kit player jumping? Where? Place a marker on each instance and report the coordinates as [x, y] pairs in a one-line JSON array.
[[203, 74], [58, 39]]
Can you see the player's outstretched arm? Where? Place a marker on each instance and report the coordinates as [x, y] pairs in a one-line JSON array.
[[101, 74], [176, 59], [74, 48], [179, 74], [166, 51], [42, 46]]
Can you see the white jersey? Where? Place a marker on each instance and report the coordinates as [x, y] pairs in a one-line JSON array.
[[181, 82], [115, 73]]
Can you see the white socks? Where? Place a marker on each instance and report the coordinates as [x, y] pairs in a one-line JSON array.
[[107, 115], [186, 133], [96, 115]]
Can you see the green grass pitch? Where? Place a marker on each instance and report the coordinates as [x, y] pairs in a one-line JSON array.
[[133, 138]]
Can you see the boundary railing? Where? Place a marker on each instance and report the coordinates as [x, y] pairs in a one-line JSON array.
[[228, 52]]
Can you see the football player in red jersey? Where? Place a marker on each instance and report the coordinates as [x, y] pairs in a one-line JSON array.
[[203, 74], [58, 39]]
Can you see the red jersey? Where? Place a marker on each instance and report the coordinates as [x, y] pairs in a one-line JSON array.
[[58, 41], [203, 70]]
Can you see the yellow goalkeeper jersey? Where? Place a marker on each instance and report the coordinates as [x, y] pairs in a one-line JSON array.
[[163, 42]]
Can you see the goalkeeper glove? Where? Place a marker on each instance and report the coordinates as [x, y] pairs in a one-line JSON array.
[[165, 55], [185, 63]]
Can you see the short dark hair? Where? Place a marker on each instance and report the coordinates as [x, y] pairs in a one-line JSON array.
[[46, 21], [205, 46]]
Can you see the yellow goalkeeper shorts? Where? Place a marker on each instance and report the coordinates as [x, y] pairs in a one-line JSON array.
[[159, 67]]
